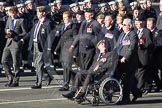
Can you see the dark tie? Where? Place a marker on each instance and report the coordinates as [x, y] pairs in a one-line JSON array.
[[12, 24], [84, 27], [36, 29], [120, 43], [97, 63]]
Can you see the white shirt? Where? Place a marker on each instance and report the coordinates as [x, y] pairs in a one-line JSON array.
[[66, 25], [108, 28], [152, 29], [139, 33], [40, 22], [140, 30]]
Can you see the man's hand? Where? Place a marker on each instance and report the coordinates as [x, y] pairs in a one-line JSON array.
[[71, 49], [55, 53], [103, 60], [74, 57], [8, 31], [21, 41], [123, 60]]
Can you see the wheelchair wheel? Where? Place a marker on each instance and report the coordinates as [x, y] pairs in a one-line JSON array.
[[110, 91]]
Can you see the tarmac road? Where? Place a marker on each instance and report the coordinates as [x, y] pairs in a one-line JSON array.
[[50, 97]]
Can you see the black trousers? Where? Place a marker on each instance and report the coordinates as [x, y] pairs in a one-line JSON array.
[[84, 78], [86, 59], [127, 75], [67, 73], [140, 76], [154, 66]]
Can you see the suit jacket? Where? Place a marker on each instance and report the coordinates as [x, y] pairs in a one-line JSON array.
[[110, 36], [159, 21], [129, 49], [87, 36], [104, 66], [91, 28], [144, 47], [43, 38], [157, 37], [18, 32], [66, 39], [78, 24], [99, 66]]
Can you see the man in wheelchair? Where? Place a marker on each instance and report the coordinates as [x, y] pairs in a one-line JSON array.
[[101, 64]]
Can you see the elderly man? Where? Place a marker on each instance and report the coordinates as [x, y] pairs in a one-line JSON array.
[[101, 64], [127, 46]]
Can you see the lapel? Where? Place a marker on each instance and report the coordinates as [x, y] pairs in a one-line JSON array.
[[89, 25], [67, 28], [106, 30], [83, 26], [35, 24], [10, 22], [40, 29], [140, 35], [41, 26], [127, 36], [121, 35], [62, 28], [17, 22]]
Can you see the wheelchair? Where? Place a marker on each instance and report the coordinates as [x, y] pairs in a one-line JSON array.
[[107, 90]]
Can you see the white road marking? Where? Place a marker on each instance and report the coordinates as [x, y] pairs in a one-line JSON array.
[[28, 88], [29, 101]]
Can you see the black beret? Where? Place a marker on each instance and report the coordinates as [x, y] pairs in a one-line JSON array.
[[140, 18], [137, 8], [89, 10], [80, 12], [99, 42]]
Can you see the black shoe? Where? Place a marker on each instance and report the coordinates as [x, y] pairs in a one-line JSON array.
[[36, 87], [14, 85], [80, 95], [64, 89], [8, 83], [80, 98], [146, 92], [49, 81], [69, 95], [135, 97]]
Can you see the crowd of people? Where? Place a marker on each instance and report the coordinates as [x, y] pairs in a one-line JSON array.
[[85, 35]]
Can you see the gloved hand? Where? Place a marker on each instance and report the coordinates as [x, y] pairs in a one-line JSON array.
[[21, 42]]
